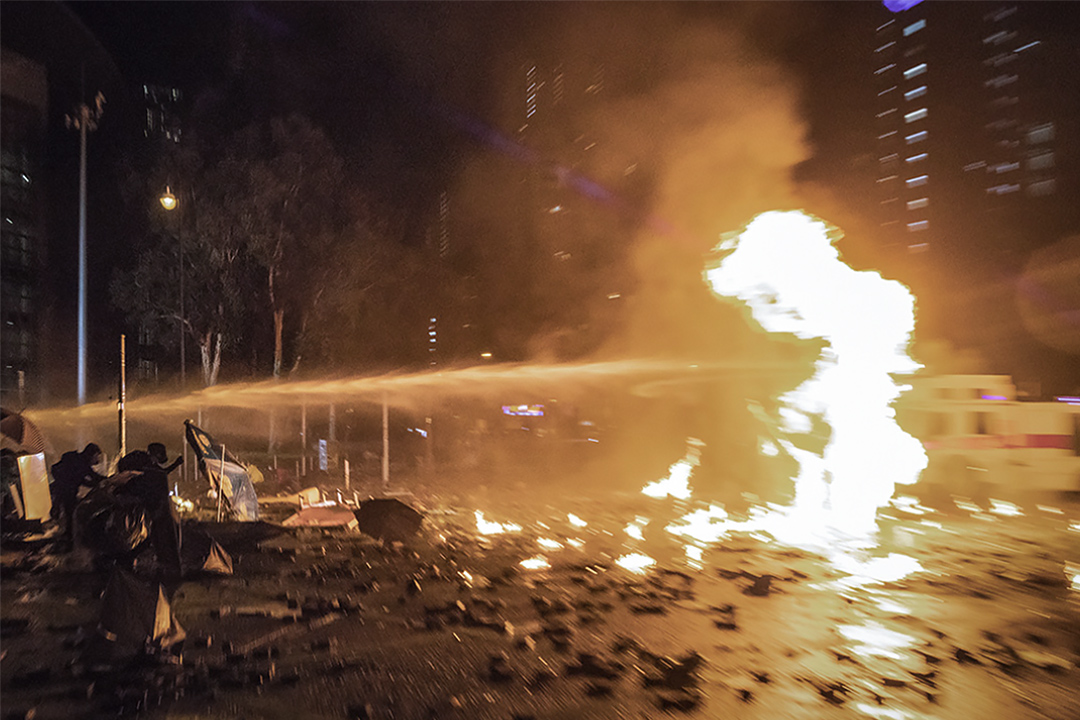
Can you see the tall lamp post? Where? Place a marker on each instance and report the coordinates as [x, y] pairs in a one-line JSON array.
[[85, 120], [169, 202]]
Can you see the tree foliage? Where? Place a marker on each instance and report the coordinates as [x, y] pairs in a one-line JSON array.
[[277, 250]]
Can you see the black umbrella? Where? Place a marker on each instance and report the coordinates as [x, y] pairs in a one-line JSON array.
[[388, 519], [19, 434]]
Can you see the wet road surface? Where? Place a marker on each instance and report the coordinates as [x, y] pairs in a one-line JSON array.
[[609, 616]]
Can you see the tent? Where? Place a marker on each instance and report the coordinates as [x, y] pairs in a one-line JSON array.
[[227, 475]]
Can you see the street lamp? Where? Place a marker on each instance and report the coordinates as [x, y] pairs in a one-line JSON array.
[[169, 202]]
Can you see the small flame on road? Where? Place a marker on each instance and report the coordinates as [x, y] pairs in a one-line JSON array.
[[636, 529], [1005, 508], [538, 562], [677, 482], [575, 520], [635, 562], [488, 527]]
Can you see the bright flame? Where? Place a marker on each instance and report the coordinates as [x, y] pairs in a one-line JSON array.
[[575, 520], [539, 562], [677, 483], [635, 562], [487, 527], [785, 268]]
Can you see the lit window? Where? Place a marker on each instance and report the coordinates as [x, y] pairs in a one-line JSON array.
[[1040, 134], [914, 27], [1001, 80], [1000, 14], [915, 71], [1003, 189], [886, 135], [916, 158], [1022, 48], [1042, 161], [999, 37], [887, 178], [886, 91], [888, 158], [918, 247], [1043, 187], [886, 46], [915, 115], [882, 27], [918, 226], [884, 68], [1006, 167], [917, 181], [1000, 59], [974, 166], [916, 137], [883, 113], [918, 204], [917, 92]]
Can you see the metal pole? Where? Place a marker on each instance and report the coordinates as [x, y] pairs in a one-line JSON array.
[[303, 438], [221, 483], [183, 358], [385, 444], [84, 120], [123, 396]]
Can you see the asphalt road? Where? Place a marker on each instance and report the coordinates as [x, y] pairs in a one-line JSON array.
[[335, 624]]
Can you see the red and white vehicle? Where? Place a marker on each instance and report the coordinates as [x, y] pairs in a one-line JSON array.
[[980, 438]]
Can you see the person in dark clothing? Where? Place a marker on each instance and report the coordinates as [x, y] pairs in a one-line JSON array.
[[72, 472], [154, 456], [150, 485]]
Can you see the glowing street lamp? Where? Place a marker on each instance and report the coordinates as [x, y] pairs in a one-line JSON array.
[[167, 199]]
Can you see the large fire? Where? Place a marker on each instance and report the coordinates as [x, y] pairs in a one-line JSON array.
[[787, 271]]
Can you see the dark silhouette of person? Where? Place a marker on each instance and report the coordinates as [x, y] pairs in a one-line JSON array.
[[73, 471], [150, 485]]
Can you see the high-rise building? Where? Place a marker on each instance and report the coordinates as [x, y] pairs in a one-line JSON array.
[[163, 112], [24, 110], [977, 140], [968, 124]]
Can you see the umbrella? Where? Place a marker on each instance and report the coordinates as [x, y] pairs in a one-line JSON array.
[[388, 519], [19, 434]]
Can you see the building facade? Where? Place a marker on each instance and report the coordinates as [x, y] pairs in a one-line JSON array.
[[970, 112], [24, 110]]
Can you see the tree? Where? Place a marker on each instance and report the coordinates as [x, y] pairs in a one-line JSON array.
[[275, 241], [197, 240]]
